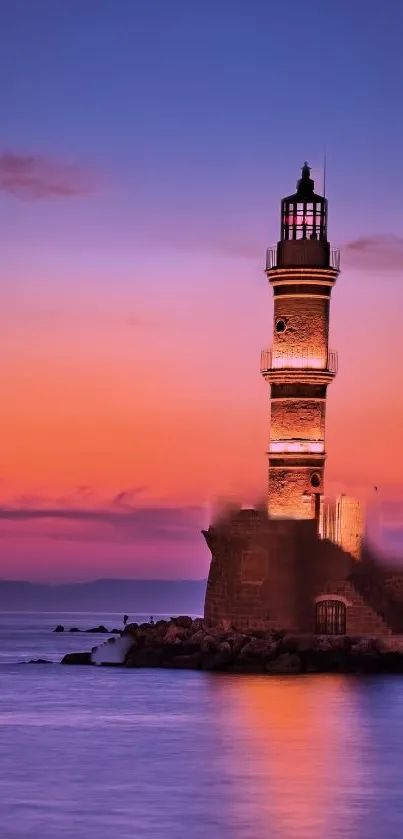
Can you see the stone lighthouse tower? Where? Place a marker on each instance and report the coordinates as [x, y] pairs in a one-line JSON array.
[[302, 270]]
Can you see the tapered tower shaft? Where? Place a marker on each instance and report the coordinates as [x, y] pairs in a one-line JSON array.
[[302, 270]]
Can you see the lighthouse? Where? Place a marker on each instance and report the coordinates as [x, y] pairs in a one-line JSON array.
[[294, 565], [302, 270]]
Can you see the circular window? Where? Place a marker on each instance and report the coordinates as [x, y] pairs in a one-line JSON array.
[[280, 325], [315, 480]]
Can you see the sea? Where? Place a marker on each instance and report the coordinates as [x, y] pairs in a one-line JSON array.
[[108, 753]]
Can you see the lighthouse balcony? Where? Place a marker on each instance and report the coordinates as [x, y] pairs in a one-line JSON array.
[[299, 365], [303, 253]]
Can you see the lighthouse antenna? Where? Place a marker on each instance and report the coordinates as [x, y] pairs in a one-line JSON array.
[[324, 173]]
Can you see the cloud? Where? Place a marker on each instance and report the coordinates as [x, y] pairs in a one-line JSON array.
[[125, 497], [119, 519], [378, 251], [33, 177]]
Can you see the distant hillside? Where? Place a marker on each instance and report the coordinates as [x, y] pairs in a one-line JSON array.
[[131, 596]]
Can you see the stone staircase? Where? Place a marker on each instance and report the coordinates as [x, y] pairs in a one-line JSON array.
[[368, 582]]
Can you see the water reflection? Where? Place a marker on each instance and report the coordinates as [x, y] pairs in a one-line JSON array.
[[194, 755], [299, 756]]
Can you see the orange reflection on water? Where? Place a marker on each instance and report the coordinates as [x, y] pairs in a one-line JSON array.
[[298, 761]]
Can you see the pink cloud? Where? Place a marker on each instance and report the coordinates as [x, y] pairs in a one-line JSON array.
[[38, 177]]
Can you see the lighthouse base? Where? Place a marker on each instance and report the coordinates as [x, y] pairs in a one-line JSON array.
[[268, 572]]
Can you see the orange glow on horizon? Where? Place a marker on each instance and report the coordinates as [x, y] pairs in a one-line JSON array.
[[94, 398]]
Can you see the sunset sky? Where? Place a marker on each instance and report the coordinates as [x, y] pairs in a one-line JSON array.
[[145, 146]]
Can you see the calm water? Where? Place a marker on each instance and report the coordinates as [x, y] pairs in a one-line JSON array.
[[110, 754]]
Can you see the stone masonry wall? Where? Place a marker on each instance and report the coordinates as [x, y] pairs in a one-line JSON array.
[[250, 575], [307, 324], [360, 618], [287, 488], [301, 419]]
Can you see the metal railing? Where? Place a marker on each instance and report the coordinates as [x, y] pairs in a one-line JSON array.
[[273, 359], [272, 260]]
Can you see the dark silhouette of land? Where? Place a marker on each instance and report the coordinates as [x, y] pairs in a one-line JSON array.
[[131, 596]]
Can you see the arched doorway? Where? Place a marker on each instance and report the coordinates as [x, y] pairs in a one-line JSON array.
[[330, 617]]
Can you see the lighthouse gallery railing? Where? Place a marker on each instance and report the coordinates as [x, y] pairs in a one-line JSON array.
[[272, 258], [298, 360]]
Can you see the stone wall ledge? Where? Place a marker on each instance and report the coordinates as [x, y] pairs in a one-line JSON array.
[[185, 643]]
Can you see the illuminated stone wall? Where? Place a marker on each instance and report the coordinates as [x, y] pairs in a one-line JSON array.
[[298, 419], [343, 523], [298, 399], [306, 324], [351, 525], [288, 489]]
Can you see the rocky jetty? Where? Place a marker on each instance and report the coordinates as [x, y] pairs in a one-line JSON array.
[[184, 643], [39, 661], [102, 630], [77, 658]]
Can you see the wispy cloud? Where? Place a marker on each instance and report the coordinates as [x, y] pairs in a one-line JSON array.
[[120, 519], [377, 251], [33, 177]]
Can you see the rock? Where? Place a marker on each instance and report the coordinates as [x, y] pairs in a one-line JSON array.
[[102, 629], [130, 628], [225, 649], [341, 642], [59, 628], [257, 649], [182, 621], [366, 657], [322, 643], [160, 628], [196, 638], [285, 664], [259, 633], [215, 661], [175, 633], [115, 631], [366, 646], [198, 625], [40, 661], [192, 644], [305, 642], [149, 639], [74, 629], [76, 658], [225, 625], [289, 644], [184, 662], [238, 641], [173, 648], [209, 644], [253, 655], [144, 657]]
